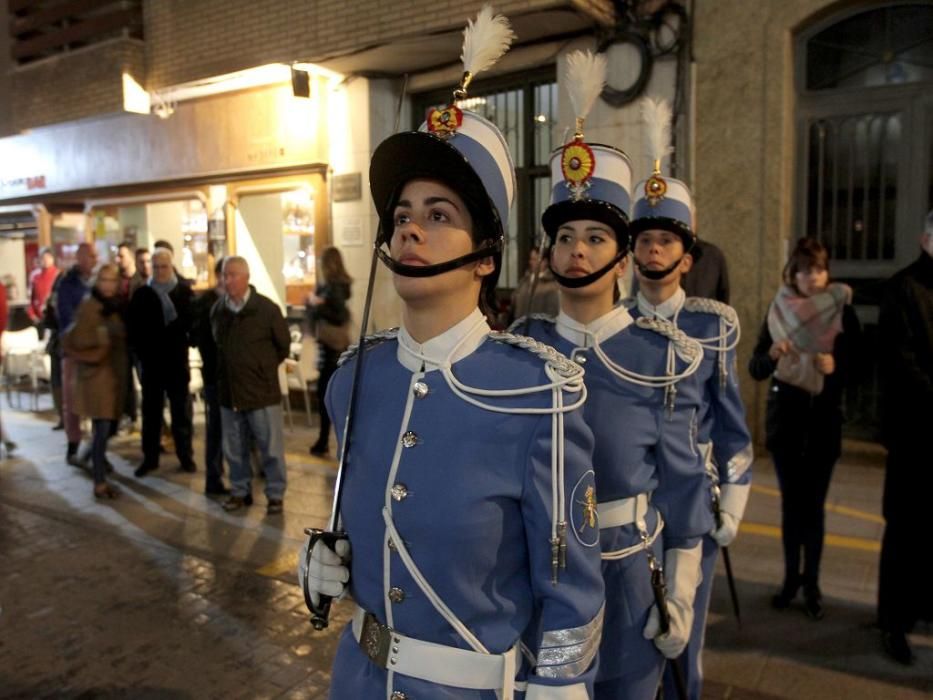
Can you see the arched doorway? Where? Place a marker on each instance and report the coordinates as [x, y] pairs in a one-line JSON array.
[[865, 156]]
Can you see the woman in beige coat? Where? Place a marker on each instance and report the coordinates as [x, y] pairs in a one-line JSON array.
[[97, 340]]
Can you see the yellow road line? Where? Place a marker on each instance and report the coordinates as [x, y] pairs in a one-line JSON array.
[[841, 541], [842, 510]]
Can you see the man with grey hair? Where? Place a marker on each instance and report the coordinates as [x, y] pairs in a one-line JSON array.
[[905, 332], [159, 324], [252, 341]]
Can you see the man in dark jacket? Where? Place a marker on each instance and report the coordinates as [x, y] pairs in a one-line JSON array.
[[252, 341], [204, 339], [905, 332], [159, 319]]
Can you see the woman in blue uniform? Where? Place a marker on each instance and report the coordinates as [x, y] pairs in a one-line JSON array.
[[469, 502], [648, 469], [663, 236]]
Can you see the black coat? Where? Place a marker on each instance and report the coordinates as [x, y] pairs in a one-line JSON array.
[[905, 338], [334, 311], [797, 422], [202, 335], [251, 345], [162, 349]]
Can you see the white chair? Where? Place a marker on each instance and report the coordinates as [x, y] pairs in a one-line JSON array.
[[195, 377], [20, 351], [291, 377]]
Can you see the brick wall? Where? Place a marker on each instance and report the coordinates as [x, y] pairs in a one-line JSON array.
[[190, 40], [73, 86]]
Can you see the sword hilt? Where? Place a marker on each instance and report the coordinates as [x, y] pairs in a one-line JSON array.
[[320, 612]]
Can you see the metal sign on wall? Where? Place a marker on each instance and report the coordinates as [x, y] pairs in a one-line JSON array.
[[348, 188]]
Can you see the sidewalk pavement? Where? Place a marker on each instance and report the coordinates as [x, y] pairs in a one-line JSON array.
[[162, 594]]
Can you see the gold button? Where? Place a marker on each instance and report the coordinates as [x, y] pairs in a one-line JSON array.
[[399, 695], [396, 594], [420, 390], [399, 492], [410, 439]]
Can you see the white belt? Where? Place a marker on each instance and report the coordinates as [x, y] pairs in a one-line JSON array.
[[435, 663], [623, 511]]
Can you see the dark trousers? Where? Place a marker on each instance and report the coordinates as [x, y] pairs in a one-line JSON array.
[[103, 430], [804, 481], [903, 590], [326, 368], [156, 386], [213, 442]]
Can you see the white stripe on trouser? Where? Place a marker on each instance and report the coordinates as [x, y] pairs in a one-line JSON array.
[[437, 663]]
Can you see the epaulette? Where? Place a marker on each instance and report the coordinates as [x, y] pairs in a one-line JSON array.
[[711, 306], [561, 364], [376, 338], [528, 318], [686, 347]]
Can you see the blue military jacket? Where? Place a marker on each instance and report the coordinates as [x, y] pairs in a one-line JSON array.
[[468, 490], [640, 446], [722, 423]]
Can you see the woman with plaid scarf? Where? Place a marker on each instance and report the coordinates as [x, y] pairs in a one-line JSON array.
[[806, 346]]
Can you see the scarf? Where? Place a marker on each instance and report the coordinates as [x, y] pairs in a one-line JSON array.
[[810, 323], [109, 305], [169, 313]]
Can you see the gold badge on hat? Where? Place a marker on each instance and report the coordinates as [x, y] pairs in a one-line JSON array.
[[485, 40], [577, 164]]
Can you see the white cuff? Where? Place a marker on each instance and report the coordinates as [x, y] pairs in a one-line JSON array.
[[733, 499]]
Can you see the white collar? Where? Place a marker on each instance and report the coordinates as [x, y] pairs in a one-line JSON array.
[[445, 349], [666, 309], [236, 307], [603, 327]]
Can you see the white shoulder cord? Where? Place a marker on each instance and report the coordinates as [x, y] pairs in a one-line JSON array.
[[565, 376], [687, 347], [728, 326]]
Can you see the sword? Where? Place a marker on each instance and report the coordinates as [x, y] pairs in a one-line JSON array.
[[726, 558], [321, 612], [535, 275], [664, 618]]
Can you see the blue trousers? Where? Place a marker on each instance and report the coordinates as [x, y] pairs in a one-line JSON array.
[[265, 425]]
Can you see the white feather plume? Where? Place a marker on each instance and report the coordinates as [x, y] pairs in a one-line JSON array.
[[657, 116], [586, 78], [485, 40]]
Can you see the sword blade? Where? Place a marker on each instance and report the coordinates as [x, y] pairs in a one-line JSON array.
[[733, 592]]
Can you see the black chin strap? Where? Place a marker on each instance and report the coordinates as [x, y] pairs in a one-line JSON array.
[[577, 282], [657, 274], [439, 268]]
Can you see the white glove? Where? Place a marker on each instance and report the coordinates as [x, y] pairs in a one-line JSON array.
[[682, 576], [732, 500], [326, 571]]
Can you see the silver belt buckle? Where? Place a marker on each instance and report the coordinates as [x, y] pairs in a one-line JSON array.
[[375, 639]]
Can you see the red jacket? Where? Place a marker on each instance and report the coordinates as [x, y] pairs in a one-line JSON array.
[[42, 281]]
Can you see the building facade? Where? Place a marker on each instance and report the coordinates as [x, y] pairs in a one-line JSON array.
[[247, 127]]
